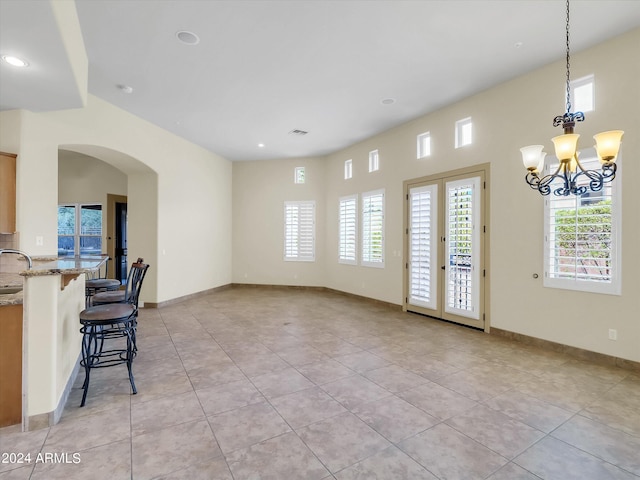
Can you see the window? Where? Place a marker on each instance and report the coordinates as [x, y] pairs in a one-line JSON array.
[[424, 145], [348, 169], [582, 237], [299, 175], [373, 229], [464, 132], [374, 161], [348, 230], [582, 94], [79, 229], [300, 231]]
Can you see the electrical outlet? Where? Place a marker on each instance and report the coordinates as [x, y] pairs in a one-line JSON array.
[[613, 334]]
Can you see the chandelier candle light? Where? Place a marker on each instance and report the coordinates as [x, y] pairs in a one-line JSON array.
[[570, 171]]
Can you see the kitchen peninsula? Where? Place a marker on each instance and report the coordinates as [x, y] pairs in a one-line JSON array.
[[52, 297]]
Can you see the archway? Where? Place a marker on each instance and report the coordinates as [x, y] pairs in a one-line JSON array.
[[141, 192]]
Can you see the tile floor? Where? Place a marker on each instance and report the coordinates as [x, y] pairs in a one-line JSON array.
[[251, 383]]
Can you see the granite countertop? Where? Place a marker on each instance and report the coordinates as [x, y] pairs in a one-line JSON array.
[[64, 265], [11, 280], [48, 266]]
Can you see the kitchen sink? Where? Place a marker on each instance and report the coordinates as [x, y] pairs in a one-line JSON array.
[[8, 290]]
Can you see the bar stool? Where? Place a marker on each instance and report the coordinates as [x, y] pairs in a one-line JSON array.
[[115, 296], [111, 322], [100, 284]]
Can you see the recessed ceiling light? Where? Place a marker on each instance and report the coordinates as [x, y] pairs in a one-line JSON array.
[[15, 61], [388, 101], [188, 38], [125, 88], [261, 145]]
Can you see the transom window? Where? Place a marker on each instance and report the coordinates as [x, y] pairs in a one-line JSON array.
[[582, 94], [464, 132], [374, 161], [424, 145], [348, 169]]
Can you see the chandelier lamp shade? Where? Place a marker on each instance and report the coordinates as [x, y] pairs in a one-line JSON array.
[[570, 177]]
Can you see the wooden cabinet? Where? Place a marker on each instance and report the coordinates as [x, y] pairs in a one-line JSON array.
[[11, 365], [7, 193]]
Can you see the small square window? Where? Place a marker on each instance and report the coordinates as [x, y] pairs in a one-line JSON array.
[[374, 161], [299, 175], [464, 132], [424, 145], [583, 94], [348, 169]]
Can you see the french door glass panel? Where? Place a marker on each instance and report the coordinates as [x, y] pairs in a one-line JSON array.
[[423, 246], [462, 247]]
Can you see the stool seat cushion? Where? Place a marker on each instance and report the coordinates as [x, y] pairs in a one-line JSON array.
[[113, 296], [102, 283], [106, 314]]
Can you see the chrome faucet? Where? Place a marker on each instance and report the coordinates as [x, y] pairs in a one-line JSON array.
[[17, 252]]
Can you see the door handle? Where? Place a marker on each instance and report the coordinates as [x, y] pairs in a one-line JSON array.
[[442, 267]]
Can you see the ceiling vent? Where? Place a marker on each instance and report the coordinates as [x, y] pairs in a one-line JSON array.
[[298, 132]]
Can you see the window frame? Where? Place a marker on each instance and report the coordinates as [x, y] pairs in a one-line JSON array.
[[78, 235], [612, 287], [299, 176], [343, 228], [460, 125], [581, 82], [374, 161], [300, 235], [364, 248], [348, 169], [423, 148]]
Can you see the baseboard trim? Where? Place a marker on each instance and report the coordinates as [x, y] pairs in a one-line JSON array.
[[184, 298], [575, 352], [375, 301]]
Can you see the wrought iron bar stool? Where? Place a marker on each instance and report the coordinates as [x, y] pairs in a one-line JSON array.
[[115, 296], [100, 284], [111, 322]]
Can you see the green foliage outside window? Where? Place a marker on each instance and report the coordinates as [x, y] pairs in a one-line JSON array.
[[583, 240]]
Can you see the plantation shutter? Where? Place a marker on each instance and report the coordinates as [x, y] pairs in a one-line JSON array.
[[373, 229], [348, 230], [299, 231], [580, 239], [462, 239], [423, 268]]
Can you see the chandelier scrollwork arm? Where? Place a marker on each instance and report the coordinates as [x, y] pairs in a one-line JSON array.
[[570, 174]]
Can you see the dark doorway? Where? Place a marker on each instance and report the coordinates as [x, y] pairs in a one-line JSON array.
[[120, 257]]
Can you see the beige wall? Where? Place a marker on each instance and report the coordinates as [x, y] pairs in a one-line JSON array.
[[505, 118], [259, 192], [179, 194], [84, 179]]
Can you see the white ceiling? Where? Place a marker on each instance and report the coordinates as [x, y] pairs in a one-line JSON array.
[[265, 67]]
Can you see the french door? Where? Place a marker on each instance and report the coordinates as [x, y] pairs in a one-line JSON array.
[[444, 252]]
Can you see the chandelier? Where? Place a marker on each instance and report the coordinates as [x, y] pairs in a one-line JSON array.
[[571, 178]]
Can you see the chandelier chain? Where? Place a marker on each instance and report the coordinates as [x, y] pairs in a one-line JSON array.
[[568, 64]]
